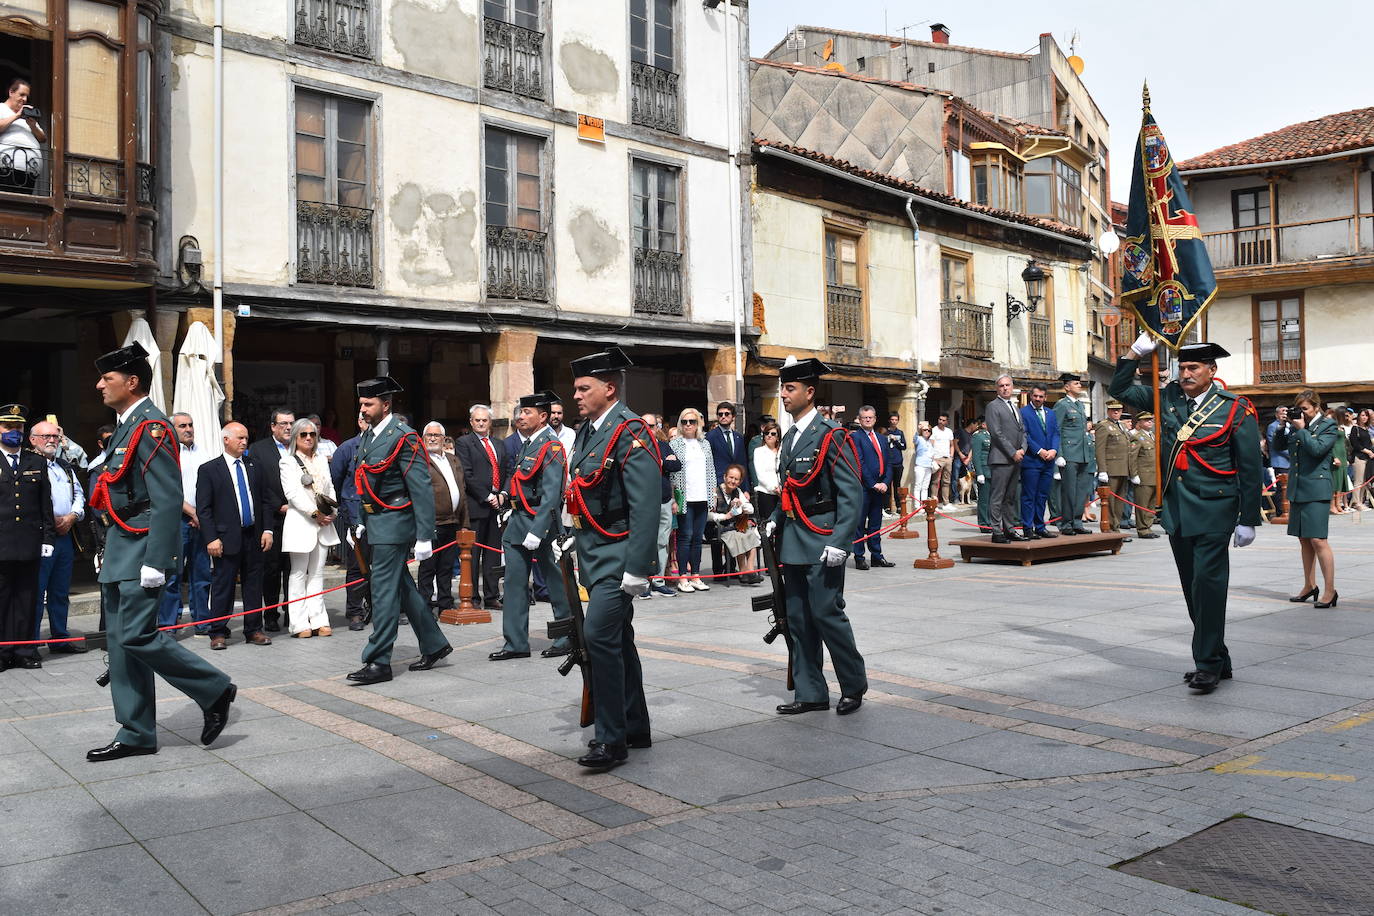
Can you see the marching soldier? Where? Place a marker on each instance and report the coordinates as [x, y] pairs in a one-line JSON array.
[[140, 489], [1211, 488], [1075, 453], [1115, 466], [982, 447], [536, 498], [821, 502], [614, 499], [1146, 481], [27, 535], [391, 474]]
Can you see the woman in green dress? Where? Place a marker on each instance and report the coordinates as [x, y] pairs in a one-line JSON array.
[[1310, 486]]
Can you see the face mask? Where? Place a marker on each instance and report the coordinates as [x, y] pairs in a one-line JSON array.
[[12, 437]]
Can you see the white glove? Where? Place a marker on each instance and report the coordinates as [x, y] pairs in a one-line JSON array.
[[348, 536], [1135, 480], [1245, 536], [531, 541], [633, 585], [1056, 476], [769, 527], [151, 578], [834, 556], [424, 550], [1144, 345], [1101, 476], [982, 478], [1060, 462], [358, 532], [47, 550]]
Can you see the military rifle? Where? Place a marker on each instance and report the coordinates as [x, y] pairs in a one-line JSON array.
[[360, 553], [573, 629], [774, 603]]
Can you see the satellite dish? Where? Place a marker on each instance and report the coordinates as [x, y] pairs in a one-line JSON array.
[[1076, 64], [1108, 243]]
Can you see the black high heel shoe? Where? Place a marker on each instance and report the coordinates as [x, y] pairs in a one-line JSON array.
[[1299, 599], [1335, 596]]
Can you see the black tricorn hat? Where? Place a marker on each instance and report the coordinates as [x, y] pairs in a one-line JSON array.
[[118, 359], [612, 359], [802, 370], [1201, 353], [378, 387], [544, 399], [1070, 377]]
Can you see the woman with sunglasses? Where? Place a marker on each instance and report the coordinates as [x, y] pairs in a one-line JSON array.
[[694, 486], [308, 530], [765, 469]]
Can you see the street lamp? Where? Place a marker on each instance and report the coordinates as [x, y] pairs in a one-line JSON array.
[[1034, 278]]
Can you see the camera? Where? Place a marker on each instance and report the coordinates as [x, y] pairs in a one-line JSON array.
[[30, 111]]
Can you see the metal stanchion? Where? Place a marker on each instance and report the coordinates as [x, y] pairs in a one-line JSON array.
[[466, 611], [933, 560]]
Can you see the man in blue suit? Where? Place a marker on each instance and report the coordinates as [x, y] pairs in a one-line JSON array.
[[875, 470], [1037, 468], [727, 446]]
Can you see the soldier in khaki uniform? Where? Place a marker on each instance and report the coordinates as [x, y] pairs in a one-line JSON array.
[[1146, 483], [1115, 464]]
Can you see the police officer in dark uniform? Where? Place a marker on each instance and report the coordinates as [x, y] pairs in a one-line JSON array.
[[27, 534]]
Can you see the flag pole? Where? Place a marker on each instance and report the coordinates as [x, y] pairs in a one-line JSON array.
[[1159, 422]]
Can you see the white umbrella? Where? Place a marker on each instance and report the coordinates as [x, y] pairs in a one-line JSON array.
[[140, 332], [197, 391]]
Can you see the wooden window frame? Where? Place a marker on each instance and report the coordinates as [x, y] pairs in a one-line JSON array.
[[954, 254], [1302, 333], [857, 230]]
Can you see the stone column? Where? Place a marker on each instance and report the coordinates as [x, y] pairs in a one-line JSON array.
[[510, 356], [910, 409], [165, 333], [720, 379]]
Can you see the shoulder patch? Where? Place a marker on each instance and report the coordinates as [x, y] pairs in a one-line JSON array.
[[156, 431]]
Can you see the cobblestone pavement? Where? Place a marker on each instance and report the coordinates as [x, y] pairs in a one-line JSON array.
[[1026, 729]]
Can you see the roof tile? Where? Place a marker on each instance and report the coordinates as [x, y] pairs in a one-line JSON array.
[[1335, 133]]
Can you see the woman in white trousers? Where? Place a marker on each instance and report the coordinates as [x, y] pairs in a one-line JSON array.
[[308, 531]]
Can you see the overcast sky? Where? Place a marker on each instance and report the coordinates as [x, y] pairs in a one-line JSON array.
[[1220, 71]]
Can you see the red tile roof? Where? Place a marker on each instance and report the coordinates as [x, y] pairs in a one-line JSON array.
[[1335, 133], [845, 74], [898, 40], [903, 185]]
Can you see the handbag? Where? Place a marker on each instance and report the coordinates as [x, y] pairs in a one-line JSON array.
[[325, 505]]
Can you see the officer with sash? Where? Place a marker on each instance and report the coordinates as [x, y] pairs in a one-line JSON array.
[[391, 475], [815, 520], [536, 499], [981, 444], [1145, 489], [1075, 453], [140, 490], [1211, 487], [614, 499]]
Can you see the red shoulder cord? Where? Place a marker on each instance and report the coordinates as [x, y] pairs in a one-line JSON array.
[[100, 493], [577, 500], [362, 484], [791, 501], [517, 481], [1189, 447]]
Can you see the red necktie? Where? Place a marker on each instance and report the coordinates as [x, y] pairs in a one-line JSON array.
[[495, 469], [874, 439]]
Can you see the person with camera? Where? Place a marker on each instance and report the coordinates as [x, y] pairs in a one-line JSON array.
[[21, 157], [308, 530], [1309, 441]]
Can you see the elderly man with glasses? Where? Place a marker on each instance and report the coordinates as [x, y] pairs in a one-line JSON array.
[[268, 453]]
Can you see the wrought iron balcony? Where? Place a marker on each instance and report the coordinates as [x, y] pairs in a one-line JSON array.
[[658, 282], [844, 316], [334, 244], [653, 98], [95, 179], [513, 59], [340, 26], [516, 264], [966, 329], [1041, 352], [25, 171], [147, 185]]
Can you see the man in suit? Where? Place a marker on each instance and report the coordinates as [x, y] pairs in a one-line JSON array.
[[482, 458], [896, 454], [1037, 468], [536, 496], [1115, 465], [727, 445], [1146, 482], [1075, 456], [875, 473], [450, 514], [981, 446], [232, 505], [267, 453], [1007, 437], [140, 488], [1211, 487], [341, 472], [27, 536], [613, 497], [822, 499], [397, 499]]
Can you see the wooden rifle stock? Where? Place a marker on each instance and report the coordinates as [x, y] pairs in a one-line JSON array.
[[775, 603], [573, 628]]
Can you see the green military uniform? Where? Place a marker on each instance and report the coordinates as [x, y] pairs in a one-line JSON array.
[[982, 446], [147, 497], [1114, 447], [536, 495], [1211, 485], [1075, 481], [822, 499], [1145, 491], [397, 502], [1311, 478]]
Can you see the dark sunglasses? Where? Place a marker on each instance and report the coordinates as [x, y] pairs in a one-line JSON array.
[[689, 422], [724, 413], [771, 433], [307, 435]]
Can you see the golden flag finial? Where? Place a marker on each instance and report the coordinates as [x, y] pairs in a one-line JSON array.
[[1145, 96]]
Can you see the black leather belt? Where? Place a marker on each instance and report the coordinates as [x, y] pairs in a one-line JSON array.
[[817, 508], [604, 519], [126, 512]]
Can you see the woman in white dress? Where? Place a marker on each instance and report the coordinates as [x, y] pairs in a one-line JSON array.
[[733, 514], [309, 528]]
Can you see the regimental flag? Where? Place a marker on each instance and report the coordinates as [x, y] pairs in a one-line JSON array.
[[1166, 274]]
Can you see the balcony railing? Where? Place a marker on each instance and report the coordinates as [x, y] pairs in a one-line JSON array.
[[94, 179], [966, 329], [335, 244], [513, 59], [24, 171], [516, 264], [1041, 353], [844, 316], [1290, 243], [658, 282], [340, 26], [653, 98]]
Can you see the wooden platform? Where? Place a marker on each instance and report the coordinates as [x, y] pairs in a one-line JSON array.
[[1062, 547]]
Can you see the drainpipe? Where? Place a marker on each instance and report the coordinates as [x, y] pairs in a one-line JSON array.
[[218, 202], [732, 61], [383, 354], [915, 286]]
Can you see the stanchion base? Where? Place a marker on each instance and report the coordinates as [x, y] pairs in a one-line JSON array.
[[932, 563], [1278, 520], [1053, 548], [457, 615], [903, 533]]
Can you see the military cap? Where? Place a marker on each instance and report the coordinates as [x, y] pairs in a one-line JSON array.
[[13, 413], [1143, 416], [1070, 377], [802, 370], [378, 387], [612, 359], [1115, 405], [1201, 353], [118, 359], [543, 399]]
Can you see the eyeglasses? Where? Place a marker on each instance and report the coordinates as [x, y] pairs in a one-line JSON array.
[[770, 435], [46, 436], [689, 422], [307, 435], [724, 413], [283, 423]]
